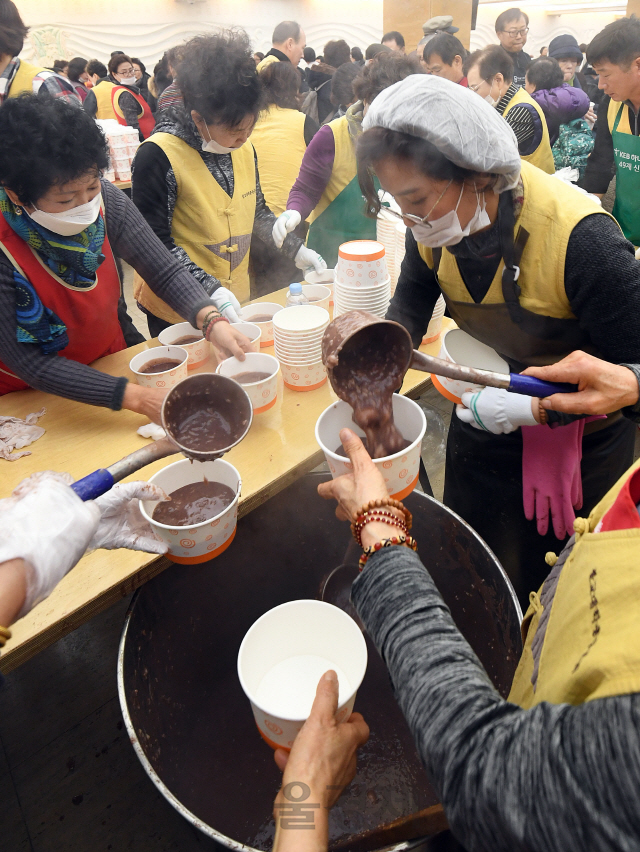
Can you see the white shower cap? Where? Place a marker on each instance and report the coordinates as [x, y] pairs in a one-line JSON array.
[[461, 125]]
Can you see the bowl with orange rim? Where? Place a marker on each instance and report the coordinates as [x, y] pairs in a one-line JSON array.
[[361, 263]]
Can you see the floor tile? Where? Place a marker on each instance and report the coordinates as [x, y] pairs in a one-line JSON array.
[[61, 685], [13, 831], [88, 790]]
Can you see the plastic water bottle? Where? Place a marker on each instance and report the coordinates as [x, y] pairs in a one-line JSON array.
[[295, 296]]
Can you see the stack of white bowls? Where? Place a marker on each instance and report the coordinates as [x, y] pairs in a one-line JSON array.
[[361, 279], [386, 234], [401, 232], [297, 335]]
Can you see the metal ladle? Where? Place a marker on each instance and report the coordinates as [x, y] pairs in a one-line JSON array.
[[354, 330], [204, 394]]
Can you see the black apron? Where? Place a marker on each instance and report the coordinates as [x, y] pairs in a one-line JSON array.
[[483, 473]]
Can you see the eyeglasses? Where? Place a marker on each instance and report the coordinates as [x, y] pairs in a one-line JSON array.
[[516, 33], [126, 72], [476, 87], [416, 219]]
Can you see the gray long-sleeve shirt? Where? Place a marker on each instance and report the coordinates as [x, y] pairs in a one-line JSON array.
[[132, 240], [550, 779]]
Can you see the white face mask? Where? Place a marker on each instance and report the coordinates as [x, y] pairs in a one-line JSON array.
[[490, 100], [447, 231], [128, 81], [69, 222], [214, 147]]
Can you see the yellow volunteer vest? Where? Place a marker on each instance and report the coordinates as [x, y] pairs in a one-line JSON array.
[[550, 212], [542, 157], [23, 79], [213, 229], [103, 98], [278, 139], [612, 111], [591, 646], [268, 60], [345, 167]]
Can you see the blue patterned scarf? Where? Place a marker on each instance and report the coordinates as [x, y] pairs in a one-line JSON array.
[[74, 259]]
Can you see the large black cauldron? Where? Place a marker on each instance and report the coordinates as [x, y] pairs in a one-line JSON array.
[[192, 725]]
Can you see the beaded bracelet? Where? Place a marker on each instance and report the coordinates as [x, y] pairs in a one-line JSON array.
[[206, 326], [396, 540], [380, 504], [5, 634], [376, 516], [543, 414]]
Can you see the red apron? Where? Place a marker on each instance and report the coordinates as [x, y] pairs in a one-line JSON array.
[[90, 315], [145, 118]]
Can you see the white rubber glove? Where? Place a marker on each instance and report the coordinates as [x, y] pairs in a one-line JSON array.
[[46, 524], [226, 303], [307, 258], [496, 410], [285, 223], [122, 524]]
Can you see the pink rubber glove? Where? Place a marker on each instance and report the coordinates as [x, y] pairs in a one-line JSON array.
[[551, 476]]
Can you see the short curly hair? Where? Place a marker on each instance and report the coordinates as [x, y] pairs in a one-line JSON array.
[[388, 68], [46, 142], [336, 53], [218, 78]]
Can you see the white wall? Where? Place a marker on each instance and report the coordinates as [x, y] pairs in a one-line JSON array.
[[542, 27], [146, 28]]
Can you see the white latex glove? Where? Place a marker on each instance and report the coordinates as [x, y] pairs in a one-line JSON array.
[[307, 258], [496, 410], [285, 223], [122, 524], [45, 523], [226, 303]]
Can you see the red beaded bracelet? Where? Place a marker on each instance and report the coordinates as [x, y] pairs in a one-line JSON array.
[[207, 325], [377, 517], [399, 541]]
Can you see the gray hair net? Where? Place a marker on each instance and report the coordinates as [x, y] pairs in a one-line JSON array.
[[461, 124]]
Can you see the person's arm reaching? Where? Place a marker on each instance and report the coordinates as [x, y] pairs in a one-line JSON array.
[[45, 528], [315, 173], [323, 758], [265, 220], [602, 387], [416, 293], [510, 780]]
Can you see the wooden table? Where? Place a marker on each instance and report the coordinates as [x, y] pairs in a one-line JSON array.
[[80, 438]]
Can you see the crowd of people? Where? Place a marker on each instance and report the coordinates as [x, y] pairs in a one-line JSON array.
[[252, 169]]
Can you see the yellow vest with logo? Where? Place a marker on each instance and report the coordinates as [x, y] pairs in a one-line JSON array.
[[213, 229], [623, 124], [23, 79], [278, 139], [591, 647], [345, 166], [542, 157], [550, 211]]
